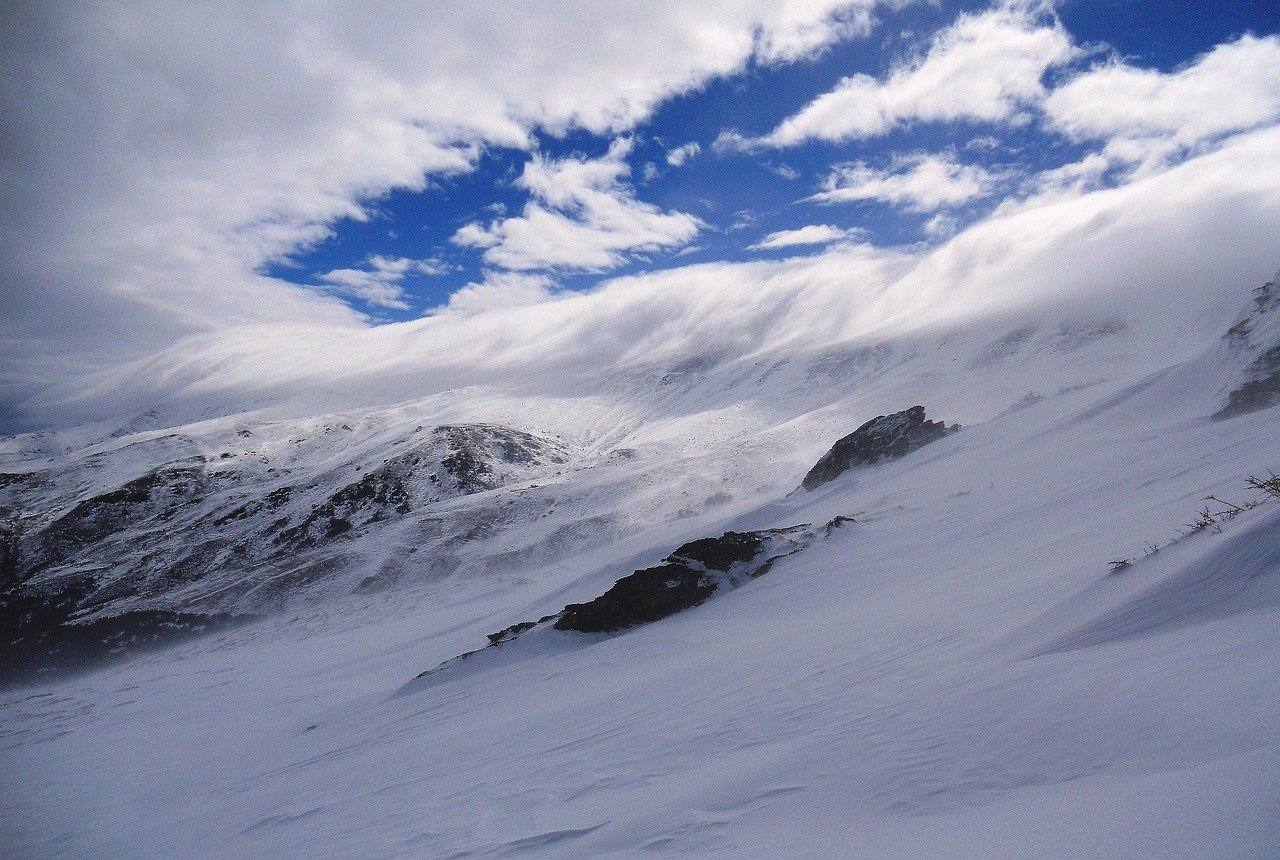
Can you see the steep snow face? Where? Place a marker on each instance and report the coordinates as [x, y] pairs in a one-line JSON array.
[[953, 668]]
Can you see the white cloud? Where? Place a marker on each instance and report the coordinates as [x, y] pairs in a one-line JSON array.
[[919, 183], [143, 207], [941, 225], [1052, 258], [500, 290], [812, 234], [1148, 117], [583, 216], [1235, 86], [215, 140], [729, 140], [982, 67], [681, 154], [381, 283], [474, 235], [986, 142]]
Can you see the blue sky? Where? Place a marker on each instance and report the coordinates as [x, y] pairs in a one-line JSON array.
[[743, 195]]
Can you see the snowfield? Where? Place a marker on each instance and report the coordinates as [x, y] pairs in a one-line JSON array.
[[956, 671]]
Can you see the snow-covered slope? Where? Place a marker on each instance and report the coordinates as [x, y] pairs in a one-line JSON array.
[[953, 666]]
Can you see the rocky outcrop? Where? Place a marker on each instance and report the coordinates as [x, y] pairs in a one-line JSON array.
[[153, 498], [884, 437], [688, 577], [1255, 342], [1261, 391], [107, 547]]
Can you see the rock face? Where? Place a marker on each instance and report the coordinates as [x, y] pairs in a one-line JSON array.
[[1254, 339], [1260, 392], [688, 577], [128, 544], [885, 437]]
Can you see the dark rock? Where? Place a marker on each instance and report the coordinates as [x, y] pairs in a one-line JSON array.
[[723, 552], [1260, 392], [233, 533], [471, 461], [686, 578], [639, 598], [41, 635], [515, 630], [365, 500], [474, 448], [337, 526], [885, 437], [838, 522], [19, 480], [154, 496]]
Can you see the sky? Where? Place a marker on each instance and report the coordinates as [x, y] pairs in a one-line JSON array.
[[197, 187], [743, 196]]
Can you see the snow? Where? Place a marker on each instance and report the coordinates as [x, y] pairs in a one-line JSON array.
[[956, 672]]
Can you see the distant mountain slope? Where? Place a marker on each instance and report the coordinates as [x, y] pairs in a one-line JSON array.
[[244, 515]]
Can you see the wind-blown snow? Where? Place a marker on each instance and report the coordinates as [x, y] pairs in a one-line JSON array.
[[955, 671]]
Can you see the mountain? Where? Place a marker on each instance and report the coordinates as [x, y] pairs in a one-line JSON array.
[[507, 616]]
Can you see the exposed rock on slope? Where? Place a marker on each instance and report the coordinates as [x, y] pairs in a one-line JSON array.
[[46, 641], [1256, 338], [110, 548], [687, 578], [885, 437]]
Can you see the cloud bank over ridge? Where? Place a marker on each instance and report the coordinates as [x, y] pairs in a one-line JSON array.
[[1065, 254], [148, 205]]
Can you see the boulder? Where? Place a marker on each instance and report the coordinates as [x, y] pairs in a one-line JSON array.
[[885, 437]]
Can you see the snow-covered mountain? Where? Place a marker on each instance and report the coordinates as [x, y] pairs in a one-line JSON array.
[[1028, 627]]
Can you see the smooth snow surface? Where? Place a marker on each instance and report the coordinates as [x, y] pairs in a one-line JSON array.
[[954, 673]]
